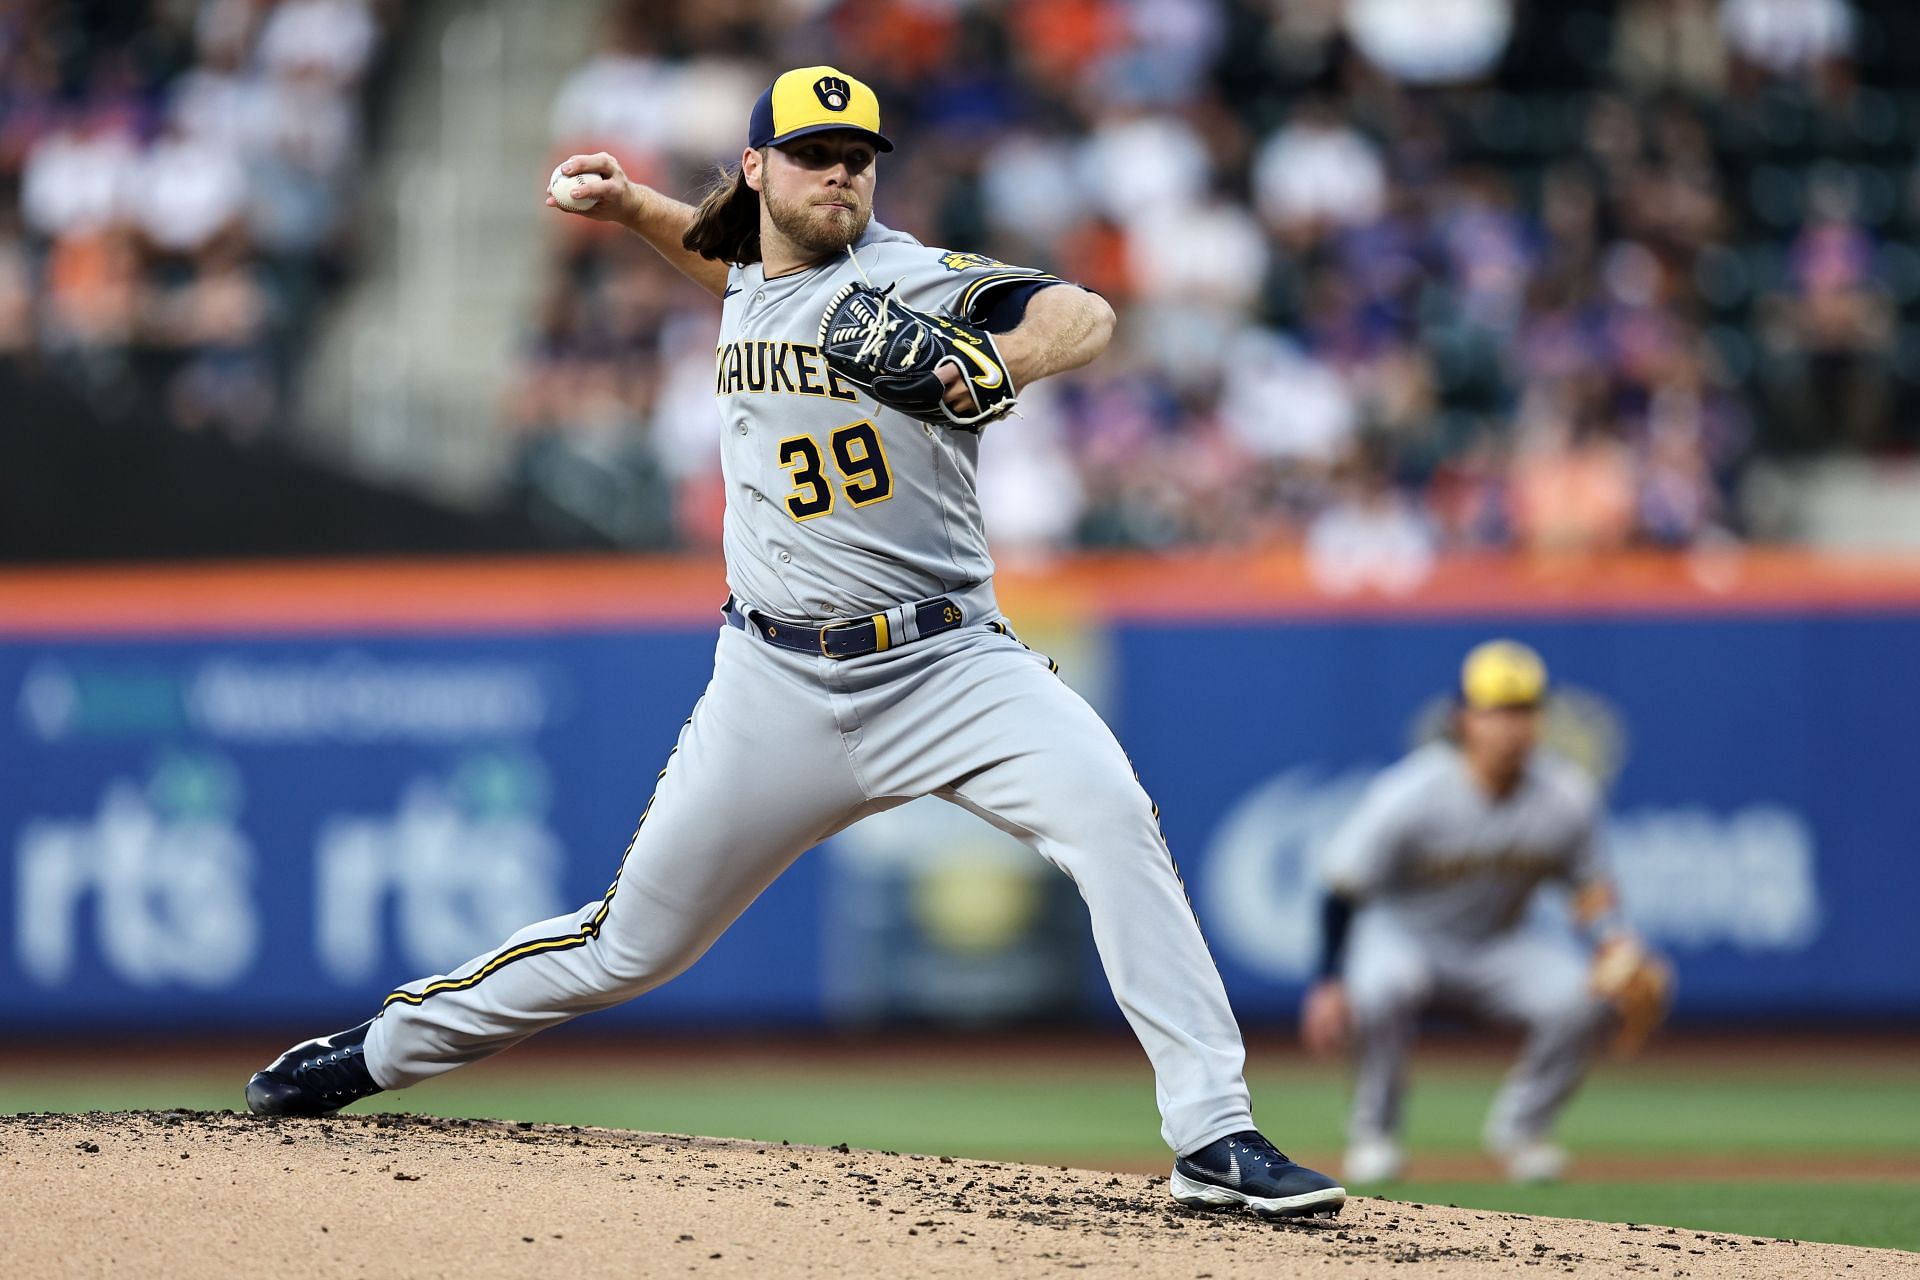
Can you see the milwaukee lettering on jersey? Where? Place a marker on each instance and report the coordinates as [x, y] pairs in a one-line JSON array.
[[782, 368]]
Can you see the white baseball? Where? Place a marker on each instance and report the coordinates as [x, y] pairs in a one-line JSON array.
[[560, 187]]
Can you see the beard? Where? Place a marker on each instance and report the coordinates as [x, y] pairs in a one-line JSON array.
[[814, 229]]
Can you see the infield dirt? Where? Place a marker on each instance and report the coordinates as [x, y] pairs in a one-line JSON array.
[[165, 1194]]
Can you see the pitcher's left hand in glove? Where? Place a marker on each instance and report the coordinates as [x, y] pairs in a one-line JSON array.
[[1639, 986], [894, 354]]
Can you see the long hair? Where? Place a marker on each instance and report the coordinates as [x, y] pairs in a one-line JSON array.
[[726, 226]]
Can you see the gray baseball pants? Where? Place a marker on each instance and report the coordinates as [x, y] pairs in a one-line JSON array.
[[1524, 977], [785, 749]]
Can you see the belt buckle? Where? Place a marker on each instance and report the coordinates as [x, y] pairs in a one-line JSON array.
[[832, 627], [849, 624]]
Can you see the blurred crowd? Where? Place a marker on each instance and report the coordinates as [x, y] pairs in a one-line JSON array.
[[175, 192], [1394, 276]]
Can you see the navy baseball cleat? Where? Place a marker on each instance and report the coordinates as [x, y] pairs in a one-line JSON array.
[[1245, 1169], [315, 1078]]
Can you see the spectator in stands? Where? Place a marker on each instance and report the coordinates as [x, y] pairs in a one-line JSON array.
[[332, 39], [1423, 42], [1370, 536], [1829, 335], [185, 191], [1572, 484], [1317, 173], [74, 179], [220, 323], [1806, 42], [1030, 487], [1670, 44]]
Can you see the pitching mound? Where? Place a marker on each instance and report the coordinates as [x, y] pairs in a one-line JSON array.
[[195, 1194]]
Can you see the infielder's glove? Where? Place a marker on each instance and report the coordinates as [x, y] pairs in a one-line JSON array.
[[894, 354], [1639, 986]]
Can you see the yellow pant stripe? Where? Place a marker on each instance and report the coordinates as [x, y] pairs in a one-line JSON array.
[[1002, 629], [539, 946]]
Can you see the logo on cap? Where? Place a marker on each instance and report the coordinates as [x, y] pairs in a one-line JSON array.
[[833, 92]]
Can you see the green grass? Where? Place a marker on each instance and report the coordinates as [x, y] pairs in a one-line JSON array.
[[1096, 1112], [1103, 1114]]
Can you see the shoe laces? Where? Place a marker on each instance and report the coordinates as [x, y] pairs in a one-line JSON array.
[[334, 1074], [1257, 1145]]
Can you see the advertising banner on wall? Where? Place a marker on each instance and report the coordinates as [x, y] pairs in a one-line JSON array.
[[234, 828]]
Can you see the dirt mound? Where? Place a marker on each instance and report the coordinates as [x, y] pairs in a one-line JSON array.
[[178, 1193]]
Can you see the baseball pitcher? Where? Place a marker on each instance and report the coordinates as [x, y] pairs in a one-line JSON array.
[[1429, 883], [862, 660]]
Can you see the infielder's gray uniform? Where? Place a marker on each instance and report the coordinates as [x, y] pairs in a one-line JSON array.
[[1443, 877], [840, 509]]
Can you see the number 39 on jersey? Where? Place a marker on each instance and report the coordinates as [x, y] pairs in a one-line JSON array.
[[860, 466]]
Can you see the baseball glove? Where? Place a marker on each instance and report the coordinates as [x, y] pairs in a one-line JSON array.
[[894, 354], [1639, 986]]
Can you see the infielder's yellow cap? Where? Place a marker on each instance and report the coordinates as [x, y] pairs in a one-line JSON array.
[[813, 100], [1502, 673]]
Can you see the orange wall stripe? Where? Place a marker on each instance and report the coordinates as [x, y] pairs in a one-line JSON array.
[[568, 593]]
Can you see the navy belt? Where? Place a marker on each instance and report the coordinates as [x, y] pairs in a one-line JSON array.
[[853, 639]]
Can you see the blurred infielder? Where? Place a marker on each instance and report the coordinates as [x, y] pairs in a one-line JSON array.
[[1433, 876], [863, 661]]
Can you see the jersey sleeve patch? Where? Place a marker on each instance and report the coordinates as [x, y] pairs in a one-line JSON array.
[[952, 280], [957, 261]]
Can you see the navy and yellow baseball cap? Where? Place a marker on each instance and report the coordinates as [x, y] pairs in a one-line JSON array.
[[814, 100], [1502, 673]]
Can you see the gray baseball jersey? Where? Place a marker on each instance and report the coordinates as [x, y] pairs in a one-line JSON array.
[[1443, 873], [1430, 846], [837, 507]]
